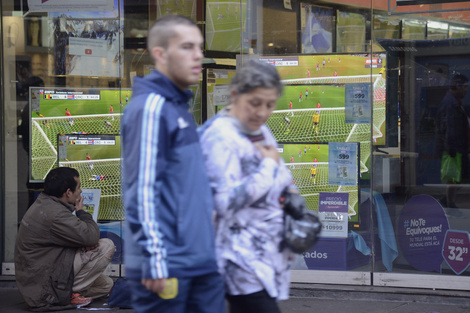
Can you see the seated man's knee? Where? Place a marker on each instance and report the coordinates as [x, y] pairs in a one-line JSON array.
[[107, 246]]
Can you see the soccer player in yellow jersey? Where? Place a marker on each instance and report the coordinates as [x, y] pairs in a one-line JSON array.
[[313, 171], [316, 120], [43, 122]]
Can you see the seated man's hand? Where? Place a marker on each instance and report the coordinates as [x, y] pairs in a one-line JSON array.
[[79, 204]]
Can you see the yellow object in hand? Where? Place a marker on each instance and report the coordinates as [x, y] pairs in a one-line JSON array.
[[171, 289]]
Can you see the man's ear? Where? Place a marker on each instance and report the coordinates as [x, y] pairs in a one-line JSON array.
[[158, 54]]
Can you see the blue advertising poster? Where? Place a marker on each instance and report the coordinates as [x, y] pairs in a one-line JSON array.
[[422, 229], [357, 103], [342, 163], [333, 214]]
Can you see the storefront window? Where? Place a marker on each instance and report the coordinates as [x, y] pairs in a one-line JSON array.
[[375, 100], [426, 90]]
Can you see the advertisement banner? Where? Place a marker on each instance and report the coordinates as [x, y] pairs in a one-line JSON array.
[[422, 227], [333, 214]]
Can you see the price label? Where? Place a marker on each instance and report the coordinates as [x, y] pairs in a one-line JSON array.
[[332, 227], [455, 250], [357, 103]]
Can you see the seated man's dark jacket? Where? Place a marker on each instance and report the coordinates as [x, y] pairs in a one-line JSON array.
[[48, 238]]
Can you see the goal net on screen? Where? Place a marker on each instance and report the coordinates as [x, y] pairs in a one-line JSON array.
[[102, 174], [310, 187], [44, 131], [331, 126]]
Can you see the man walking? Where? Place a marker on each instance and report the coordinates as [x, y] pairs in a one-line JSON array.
[[169, 243]]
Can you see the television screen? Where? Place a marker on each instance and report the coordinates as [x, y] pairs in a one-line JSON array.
[[458, 32], [311, 168], [186, 8], [87, 43], [337, 90], [317, 24], [56, 110], [97, 158], [223, 25], [437, 30], [350, 32], [413, 29]]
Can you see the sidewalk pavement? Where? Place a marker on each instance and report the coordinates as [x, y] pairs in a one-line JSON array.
[[313, 298]]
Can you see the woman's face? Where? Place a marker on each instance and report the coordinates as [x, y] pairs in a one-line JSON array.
[[253, 109]]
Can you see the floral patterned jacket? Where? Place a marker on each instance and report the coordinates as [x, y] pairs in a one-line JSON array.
[[249, 222]]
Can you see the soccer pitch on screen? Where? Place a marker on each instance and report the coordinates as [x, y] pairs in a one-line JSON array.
[[223, 31], [69, 111], [182, 7], [97, 159], [301, 158], [315, 84]]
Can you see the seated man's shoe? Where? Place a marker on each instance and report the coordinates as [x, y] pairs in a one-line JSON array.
[[79, 300]]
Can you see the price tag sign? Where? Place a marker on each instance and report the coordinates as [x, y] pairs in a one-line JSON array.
[[333, 214], [456, 250], [342, 163], [357, 103]]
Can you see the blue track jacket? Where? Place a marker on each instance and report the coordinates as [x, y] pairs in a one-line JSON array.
[[168, 201]]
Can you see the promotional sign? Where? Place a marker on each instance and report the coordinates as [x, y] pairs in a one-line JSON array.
[[456, 250], [91, 201], [422, 227], [357, 103], [333, 214], [342, 158]]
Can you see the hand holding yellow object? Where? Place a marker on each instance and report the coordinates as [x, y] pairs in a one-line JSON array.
[[171, 289]]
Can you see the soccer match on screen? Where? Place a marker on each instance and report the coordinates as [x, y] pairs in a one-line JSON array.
[[312, 106], [80, 112], [308, 163]]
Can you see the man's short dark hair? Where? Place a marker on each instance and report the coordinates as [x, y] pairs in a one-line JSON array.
[[59, 180], [163, 29], [458, 80]]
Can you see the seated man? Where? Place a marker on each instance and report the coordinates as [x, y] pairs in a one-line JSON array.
[[59, 256]]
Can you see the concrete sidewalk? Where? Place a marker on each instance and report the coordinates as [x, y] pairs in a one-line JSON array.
[[313, 298]]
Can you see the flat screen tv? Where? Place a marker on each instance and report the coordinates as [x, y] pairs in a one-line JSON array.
[[301, 157], [326, 84], [57, 110], [97, 158]]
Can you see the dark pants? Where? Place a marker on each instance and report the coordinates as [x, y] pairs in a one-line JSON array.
[[201, 294], [258, 302]]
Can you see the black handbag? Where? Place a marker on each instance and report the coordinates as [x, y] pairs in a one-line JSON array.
[[301, 225]]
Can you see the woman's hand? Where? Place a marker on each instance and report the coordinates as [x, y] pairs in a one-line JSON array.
[[268, 152]]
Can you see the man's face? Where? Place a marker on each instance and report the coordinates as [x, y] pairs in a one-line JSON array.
[[182, 59], [73, 196]]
